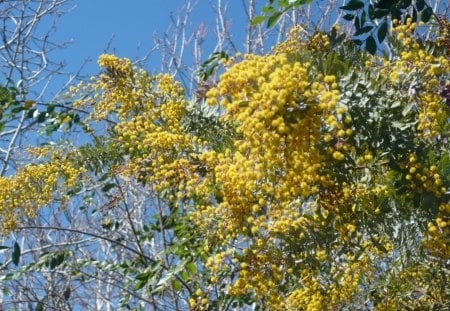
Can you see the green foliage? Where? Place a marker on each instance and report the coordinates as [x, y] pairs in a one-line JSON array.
[[209, 67], [15, 255], [370, 19], [275, 9]]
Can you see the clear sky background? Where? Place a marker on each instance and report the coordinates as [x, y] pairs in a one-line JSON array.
[[130, 27]]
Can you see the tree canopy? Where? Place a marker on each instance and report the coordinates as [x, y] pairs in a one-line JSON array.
[[315, 176]]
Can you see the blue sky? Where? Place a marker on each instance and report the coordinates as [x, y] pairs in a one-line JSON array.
[[131, 25]]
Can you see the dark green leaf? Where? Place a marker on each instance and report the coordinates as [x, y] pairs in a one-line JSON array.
[[426, 14], [31, 112], [444, 166], [371, 12], [50, 108], [353, 5], [3, 247], [15, 255], [17, 109], [357, 42], [380, 13], [420, 4], [349, 17], [41, 117], [396, 13], [363, 18], [40, 306], [108, 187], [382, 31], [363, 30], [357, 23], [371, 45], [384, 4], [405, 4]]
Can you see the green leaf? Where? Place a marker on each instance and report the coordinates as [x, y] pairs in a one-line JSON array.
[[405, 4], [408, 107], [258, 20], [140, 284], [363, 18], [57, 260], [363, 30], [353, 5], [380, 13], [143, 276], [273, 19], [191, 268], [357, 23], [267, 9], [420, 4], [444, 166], [15, 255], [40, 306], [426, 14], [2, 247], [371, 45], [41, 117], [382, 31], [371, 11], [108, 187], [349, 17], [177, 285], [184, 275], [50, 108], [396, 13], [7, 277]]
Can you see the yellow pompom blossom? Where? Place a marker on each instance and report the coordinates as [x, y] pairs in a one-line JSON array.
[[150, 111], [437, 239], [298, 36], [414, 60], [33, 187]]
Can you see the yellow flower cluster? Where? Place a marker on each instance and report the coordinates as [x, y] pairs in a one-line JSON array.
[[437, 239], [279, 114], [150, 112], [298, 38], [34, 186], [265, 183], [317, 293], [422, 178], [414, 60]]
